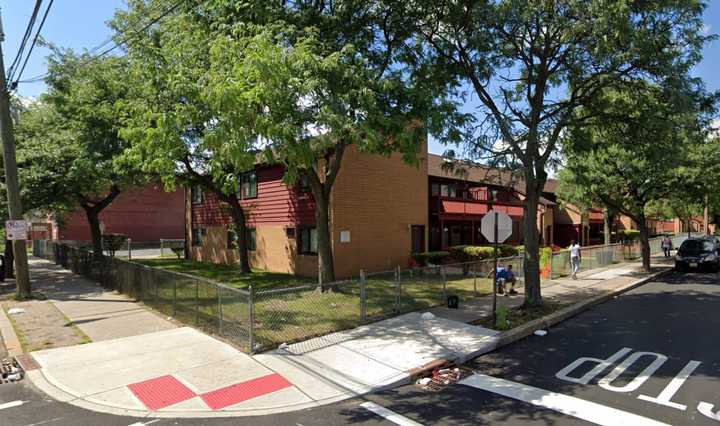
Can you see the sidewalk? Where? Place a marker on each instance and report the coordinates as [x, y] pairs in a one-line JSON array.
[[562, 290], [181, 372]]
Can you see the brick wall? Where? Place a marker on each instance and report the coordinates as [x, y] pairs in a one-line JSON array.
[[144, 214], [377, 199]]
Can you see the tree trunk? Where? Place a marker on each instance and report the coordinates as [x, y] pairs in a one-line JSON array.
[[326, 267], [92, 211], [607, 220], [95, 232], [9, 260], [644, 243], [239, 220], [531, 253]]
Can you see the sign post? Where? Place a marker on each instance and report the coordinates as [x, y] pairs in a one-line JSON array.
[[496, 227]]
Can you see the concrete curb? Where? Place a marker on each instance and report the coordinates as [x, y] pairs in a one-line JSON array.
[[515, 334], [10, 338], [548, 321]]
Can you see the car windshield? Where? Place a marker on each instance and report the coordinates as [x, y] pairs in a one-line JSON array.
[[696, 245]]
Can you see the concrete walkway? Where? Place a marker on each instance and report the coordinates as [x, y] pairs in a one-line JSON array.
[[181, 372], [99, 313]]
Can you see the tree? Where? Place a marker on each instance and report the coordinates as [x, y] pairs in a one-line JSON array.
[[532, 64], [169, 120], [568, 192], [636, 149], [69, 142], [313, 80]]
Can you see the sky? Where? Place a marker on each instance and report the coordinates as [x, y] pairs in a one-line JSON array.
[[80, 24]]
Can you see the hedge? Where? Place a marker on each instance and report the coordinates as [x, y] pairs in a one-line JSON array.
[[629, 234], [466, 253], [434, 257]]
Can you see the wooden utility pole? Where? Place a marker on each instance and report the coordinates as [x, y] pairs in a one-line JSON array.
[[22, 274], [706, 217]]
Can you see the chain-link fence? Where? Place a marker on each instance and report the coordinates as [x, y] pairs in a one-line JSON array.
[[257, 320], [205, 304]]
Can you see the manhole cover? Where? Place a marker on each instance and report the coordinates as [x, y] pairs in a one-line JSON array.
[[10, 372]]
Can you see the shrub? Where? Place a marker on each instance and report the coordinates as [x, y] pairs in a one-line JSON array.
[[506, 250], [434, 257], [628, 235], [468, 253], [113, 242]]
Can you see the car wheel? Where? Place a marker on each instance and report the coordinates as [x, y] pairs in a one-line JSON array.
[[680, 268]]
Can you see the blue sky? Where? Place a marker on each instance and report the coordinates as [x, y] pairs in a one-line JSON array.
[[80, 24]]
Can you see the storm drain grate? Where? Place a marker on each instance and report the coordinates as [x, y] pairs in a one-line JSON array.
[[444, 377], [10, 372]]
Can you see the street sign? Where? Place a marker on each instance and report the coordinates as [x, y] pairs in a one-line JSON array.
[[504, 226], [16, 229]]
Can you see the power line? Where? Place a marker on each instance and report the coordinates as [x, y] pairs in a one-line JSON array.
[[122, 41], [13, 85], [26, 37]]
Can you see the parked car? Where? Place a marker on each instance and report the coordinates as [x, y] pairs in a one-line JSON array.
[[701, 253]]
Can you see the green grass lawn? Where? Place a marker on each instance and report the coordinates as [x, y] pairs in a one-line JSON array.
[[227, 274], [298, 314]]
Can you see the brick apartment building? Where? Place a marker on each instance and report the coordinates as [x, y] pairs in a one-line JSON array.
[[378, 217], [144, 214], [381, 212]]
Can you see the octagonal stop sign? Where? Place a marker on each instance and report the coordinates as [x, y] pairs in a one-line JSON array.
[[504, 229]]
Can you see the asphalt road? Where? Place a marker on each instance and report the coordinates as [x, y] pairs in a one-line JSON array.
[[670, 329], [677, 317]]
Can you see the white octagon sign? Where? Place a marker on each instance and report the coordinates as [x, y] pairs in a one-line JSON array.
[[504, 226]]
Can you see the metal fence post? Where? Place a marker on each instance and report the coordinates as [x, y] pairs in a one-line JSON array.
[[174, 296], [197, 302], [129, 242], [363, 301], [220, 310], [161, 247], [475, 278], [397, 289], [251, 319], [444, 283]]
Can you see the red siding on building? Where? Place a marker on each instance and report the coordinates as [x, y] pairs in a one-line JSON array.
[[276, 204], [144, 214]]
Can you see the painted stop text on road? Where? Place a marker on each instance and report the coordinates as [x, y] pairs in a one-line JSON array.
[[624, 359]]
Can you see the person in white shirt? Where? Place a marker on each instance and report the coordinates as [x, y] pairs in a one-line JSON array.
[[574, 258]]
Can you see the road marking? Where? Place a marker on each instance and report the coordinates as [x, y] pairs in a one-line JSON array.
[[11, 404], [576, 407], [601, 365], [389, 415], [671, 389], [146, 423], [706, 409], [606, 381]]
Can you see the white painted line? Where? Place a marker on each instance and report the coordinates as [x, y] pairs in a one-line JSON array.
[[389, 415], [11, 404], [576, 407], [146, 423]]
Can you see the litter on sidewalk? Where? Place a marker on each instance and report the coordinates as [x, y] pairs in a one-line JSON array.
[[440, 378], [16, 311]]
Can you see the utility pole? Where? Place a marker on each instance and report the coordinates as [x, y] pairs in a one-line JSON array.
[[22, 275]]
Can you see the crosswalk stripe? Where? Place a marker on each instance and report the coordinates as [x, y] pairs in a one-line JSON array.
[[389, 415], [576, 407], [11, 404]]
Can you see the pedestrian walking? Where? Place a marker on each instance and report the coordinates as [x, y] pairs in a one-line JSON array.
[[574, 258], [666, 245]]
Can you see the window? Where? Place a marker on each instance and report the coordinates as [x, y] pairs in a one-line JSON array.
[[231, 239], [302, 184], [248, 185], [250, 239], [197, 236], [449, 190], [435, 189], [308, 241], [196, 194]]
